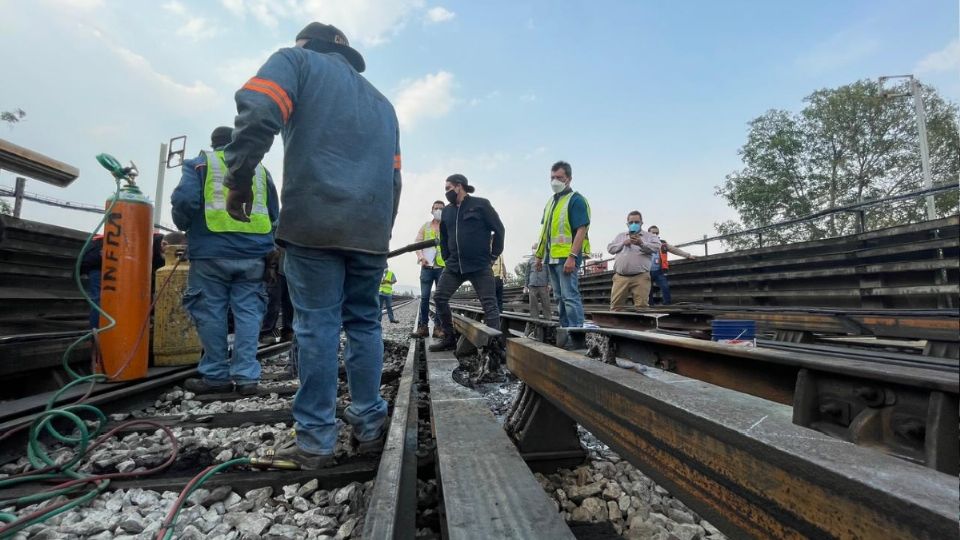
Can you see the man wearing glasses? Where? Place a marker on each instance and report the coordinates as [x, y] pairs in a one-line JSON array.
[[633, 250], [563, 243]]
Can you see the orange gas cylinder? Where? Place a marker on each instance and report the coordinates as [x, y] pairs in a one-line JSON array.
[[125, 285]]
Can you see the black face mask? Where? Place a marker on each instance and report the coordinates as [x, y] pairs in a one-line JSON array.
[[451, 196]]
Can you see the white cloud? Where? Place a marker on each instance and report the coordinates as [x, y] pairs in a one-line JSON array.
[[840, 50], [237, 71], [536, 153], [175, 7], [267, 12], [83, 5], [946, 59], [191, 27], [197, 94], [198, 29], [490, 96], [529, 97], [439, 14], [367, 22], [430, 96], [236, 7]]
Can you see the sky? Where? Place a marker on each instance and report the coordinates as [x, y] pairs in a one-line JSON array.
[[649, 101]]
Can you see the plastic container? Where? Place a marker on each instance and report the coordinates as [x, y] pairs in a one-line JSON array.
[[735, 332], [175, 339]]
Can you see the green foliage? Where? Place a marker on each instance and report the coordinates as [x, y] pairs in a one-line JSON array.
[[521, 270], [848, 144], [5, 208], [12, 117]]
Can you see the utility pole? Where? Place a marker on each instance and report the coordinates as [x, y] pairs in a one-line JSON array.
[[161, 169], [18, 196], [924, 149], [915, 92]]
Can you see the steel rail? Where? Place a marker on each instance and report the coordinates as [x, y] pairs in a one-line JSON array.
[[738, 460], [391, 512], [905, 409]]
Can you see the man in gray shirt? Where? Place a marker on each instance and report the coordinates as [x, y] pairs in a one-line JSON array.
[[538, 287], [633, 250]]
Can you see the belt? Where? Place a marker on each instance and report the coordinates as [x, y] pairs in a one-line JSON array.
[[632, 275]]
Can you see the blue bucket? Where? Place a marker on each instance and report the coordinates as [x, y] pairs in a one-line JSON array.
[[735, 332]]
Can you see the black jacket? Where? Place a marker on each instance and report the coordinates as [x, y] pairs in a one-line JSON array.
[[471, 235]]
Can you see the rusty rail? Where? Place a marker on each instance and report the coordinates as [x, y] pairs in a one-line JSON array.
[[738, 460]]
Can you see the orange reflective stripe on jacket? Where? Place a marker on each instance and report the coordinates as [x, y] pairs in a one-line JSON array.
[[396, 162], [274, 92]]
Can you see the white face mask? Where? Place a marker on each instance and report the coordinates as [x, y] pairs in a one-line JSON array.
[[436, 214], [557, 186]]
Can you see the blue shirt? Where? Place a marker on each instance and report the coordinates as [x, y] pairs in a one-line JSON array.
[[188, 215]]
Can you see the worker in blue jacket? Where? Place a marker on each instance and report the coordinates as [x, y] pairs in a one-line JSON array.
[[341, 190], [227, 261]]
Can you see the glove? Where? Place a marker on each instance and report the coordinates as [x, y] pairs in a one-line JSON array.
[[239, 200]]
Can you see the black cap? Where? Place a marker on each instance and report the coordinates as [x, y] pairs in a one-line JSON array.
[[221, 137], [462, 180], [326, 38]]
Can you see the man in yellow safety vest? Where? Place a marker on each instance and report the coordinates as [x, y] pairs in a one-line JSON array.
[[431, 267], [227, 262], [386, 295], [564, 242]]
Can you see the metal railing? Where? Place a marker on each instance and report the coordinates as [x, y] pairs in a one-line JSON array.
[[858, 209], [6, 191]]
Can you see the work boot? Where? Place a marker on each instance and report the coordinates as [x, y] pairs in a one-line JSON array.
[[248, 389], [421, 332], [369, 447], [199, 386], [307, 461], [437, 331], [446, 343]]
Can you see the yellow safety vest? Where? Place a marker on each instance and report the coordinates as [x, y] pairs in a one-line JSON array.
[[560, 237], [215, 199], [386, 285], [428, 234]]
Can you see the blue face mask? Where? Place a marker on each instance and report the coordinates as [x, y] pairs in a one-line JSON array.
[[634, 227]]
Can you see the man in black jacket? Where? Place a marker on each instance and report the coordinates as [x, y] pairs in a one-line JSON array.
[[471, 238]]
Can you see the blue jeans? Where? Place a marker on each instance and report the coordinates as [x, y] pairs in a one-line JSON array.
[[660, 280], [566, 287], [213, 285], [429, 277], [386, 303], [330, 289], [93, 289]]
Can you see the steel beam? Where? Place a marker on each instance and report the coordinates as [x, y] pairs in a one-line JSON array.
[[738, 460], [476, 333], [35, 165], [392, 510]]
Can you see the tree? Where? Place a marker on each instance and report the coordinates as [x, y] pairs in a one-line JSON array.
[[520, 271], [12, 117], [848, 144]]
